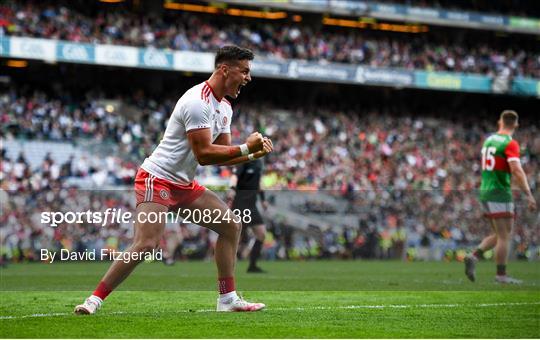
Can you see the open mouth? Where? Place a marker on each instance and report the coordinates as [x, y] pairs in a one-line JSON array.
[[239, 87]]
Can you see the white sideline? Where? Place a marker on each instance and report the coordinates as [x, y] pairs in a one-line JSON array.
[[453, 305]]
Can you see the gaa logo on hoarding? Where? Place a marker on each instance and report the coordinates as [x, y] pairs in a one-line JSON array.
[[115, 55], [155, 58], [360, 71], [293, 69], [74, 52], [191, 60], [32, 49]]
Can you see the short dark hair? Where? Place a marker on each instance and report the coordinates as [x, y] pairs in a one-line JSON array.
[[232, 53], [509, 118]]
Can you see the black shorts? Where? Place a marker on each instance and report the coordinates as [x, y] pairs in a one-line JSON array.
[[251, 218]]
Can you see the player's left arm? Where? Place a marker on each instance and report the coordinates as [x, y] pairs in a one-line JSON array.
[[264, 202]]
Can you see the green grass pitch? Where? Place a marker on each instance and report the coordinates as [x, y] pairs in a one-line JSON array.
[[322, 299]]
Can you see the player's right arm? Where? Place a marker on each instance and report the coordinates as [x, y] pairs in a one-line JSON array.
[[195, 115], [519, 176], [267, 148]]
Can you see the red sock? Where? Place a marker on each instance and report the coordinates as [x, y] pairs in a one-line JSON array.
[[226, 285], [102, 290]]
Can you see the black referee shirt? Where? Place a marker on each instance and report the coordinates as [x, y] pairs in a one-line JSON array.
[[249, 178]]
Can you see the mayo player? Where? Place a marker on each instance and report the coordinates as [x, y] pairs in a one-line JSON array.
[[500, 163]]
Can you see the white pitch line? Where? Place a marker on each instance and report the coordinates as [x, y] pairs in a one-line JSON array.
[[7, 317], [453, 305], [44, 315]]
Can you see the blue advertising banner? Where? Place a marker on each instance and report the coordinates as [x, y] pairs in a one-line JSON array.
[[331, 72], [355, 6], [154, 58], [370, 75], [456, 16], [128, 56], [488, 20], [493, 19], [424, 12], [4, 46], [389, 9], [321, 3], [270, 68], [526, 86], [75, 52]]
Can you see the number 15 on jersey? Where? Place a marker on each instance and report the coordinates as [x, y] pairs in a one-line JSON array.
[[488, 158]]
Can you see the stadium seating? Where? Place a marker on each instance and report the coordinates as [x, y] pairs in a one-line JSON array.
[[436, 51]]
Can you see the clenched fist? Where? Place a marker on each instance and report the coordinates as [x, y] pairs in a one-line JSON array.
[[267, 148], [255, 142]]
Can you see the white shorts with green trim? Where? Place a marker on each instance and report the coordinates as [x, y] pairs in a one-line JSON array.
[[498, 209]]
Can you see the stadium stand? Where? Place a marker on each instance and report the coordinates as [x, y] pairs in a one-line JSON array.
[[435, 51]]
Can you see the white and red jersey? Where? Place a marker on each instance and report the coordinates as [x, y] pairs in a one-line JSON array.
[[198, 108]]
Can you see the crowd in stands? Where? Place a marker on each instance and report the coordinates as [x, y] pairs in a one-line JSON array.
[[36, 116], [423, 171], [194, 32], [410, 179]]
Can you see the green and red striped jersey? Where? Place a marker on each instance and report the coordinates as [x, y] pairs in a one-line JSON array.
[[497, 151]]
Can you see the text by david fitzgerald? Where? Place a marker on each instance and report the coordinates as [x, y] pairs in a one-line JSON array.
[[103, 255]]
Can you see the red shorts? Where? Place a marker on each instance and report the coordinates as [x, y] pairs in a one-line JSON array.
[[149, 188]]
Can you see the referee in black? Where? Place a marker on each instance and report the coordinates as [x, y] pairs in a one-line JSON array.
[[245, 185]]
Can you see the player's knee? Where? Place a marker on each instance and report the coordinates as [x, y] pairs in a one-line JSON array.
[[503, 232], [145, 245], [230, 230], [236, 228], [504, 236]]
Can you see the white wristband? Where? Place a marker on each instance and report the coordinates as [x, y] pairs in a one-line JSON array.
[[251, 157], [244, 149]]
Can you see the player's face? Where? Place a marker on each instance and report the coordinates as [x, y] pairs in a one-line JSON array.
[[237, 76]]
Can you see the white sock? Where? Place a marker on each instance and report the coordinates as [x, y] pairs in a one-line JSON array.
[[228, 297], [96, 299]]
